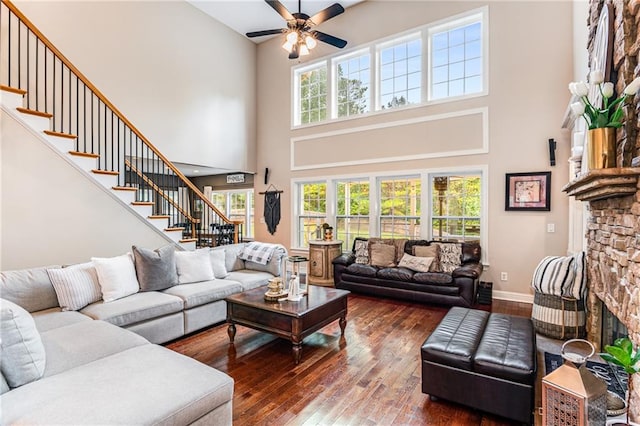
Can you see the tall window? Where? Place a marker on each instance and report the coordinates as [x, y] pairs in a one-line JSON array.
[[456, 60], [352, 218], [456, 207], [312, 95], [312, 211], [352, 85], [237, 205], [400, 207], [401, 73]]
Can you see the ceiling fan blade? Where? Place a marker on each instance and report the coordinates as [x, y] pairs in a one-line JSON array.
[[326, 14], [295, 52], [329, 39], [279, 7], [266, 32]]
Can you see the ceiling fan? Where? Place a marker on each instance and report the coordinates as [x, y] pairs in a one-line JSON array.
[[300, 37]]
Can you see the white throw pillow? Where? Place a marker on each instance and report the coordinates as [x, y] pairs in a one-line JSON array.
[[194, 266], [218, 263], [117, 276], [23, 355], [76, 286], [415, 263]]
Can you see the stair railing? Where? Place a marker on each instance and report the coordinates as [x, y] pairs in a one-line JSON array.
[[53, 85]]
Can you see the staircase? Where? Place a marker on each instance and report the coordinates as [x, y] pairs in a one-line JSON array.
[[41, 89]]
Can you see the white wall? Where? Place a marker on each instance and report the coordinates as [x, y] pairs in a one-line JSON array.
[[186, 81], [57, 217], [530, 65]]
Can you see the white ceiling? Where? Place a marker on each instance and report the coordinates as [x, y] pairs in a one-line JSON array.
[[255, 15]]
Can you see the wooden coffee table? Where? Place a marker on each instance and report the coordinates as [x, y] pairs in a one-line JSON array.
[[290, 320]]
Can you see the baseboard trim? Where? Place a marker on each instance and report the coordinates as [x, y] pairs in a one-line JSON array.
[[512, 297]]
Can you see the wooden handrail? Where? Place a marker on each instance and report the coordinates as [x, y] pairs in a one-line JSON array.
[[104, 99], [157, 189]]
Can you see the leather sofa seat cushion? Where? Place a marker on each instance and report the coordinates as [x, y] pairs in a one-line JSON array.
[[433, 278], [363, 270], [196, 294], [471, 252], [472, 270], [395, 274], [507, 349], [456, 338], [134, 308]]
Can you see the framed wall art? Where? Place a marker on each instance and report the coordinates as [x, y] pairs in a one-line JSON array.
[[528, 191]]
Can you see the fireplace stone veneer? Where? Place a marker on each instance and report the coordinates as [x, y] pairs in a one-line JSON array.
[[613, 226]]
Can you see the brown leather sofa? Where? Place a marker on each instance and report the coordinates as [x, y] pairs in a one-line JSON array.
[[457, 288]]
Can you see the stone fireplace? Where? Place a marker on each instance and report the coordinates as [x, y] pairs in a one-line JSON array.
[[613, 223]]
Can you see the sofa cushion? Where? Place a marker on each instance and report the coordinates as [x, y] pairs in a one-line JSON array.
[[4, 386], [135, 308], [218, 263], [54, 318], [363, 270], [23, 355], [274, 265], [29, 288], [450, 256], [429, 251], [416, 263], [471, 252], [147, 384], [395, 274], [155, 269], [232, 259], [382, 255], [117, 276], [194, 266], [204, 292], [249, 279], [432, 278], [78, 344], [76, 286]]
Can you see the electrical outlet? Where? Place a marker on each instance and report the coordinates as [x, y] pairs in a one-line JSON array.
[[551, 227], [504, 276]]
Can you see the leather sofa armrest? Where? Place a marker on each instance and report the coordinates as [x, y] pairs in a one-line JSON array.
[[345, 259], [468, 270]]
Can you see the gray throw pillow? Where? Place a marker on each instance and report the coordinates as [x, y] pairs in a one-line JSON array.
[[23, 355], [155, 269]]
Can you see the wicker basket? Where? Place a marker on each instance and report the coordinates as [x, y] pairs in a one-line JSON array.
[[559, 317]]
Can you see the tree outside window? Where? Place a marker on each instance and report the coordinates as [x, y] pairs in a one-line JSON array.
[[352, 219], [456, 207], [313, 211], [313, 95], [400, 208]]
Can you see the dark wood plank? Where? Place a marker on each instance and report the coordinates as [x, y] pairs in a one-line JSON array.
[[371, 376]]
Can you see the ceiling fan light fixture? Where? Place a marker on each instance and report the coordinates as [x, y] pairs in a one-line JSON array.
[[292, 37], [310, 41], [288, 46], [304, 50]]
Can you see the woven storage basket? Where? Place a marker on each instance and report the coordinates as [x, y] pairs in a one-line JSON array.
[[559, 317]]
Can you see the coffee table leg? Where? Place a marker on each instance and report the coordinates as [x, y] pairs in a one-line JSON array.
[[297, 352], [343, 324], [231, 331]]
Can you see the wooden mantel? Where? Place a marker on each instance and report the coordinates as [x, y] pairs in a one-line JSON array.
[[599, 184]]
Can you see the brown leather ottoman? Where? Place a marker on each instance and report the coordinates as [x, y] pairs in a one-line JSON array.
[[482, 360]]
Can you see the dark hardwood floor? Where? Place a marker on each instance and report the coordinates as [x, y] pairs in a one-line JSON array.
[[371, 376]]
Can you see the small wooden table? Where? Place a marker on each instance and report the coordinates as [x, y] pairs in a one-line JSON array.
[[290, 320]]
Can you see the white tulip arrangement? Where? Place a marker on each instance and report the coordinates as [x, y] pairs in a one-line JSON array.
[[611, 114]]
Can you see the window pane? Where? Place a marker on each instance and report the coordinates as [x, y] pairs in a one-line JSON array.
[[312, 93], [403, 66], [461, 49], [313, 207], [353, 211], [400, 207], [456, 207], [353, 89]]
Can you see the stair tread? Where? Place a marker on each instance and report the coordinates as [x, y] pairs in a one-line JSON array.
[[142, 203], [159, 216], [188, 240], [34, 112], [173, 229], [60, 134], [123, 188], [84, 154], [105, 172], [13, 89]]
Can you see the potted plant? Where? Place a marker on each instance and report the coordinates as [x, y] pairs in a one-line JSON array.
[[604, 121], [622, 353]]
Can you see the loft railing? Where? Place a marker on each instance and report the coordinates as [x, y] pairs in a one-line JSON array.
[[30, 62]]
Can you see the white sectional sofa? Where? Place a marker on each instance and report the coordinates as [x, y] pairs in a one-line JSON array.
[[101, 364]]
